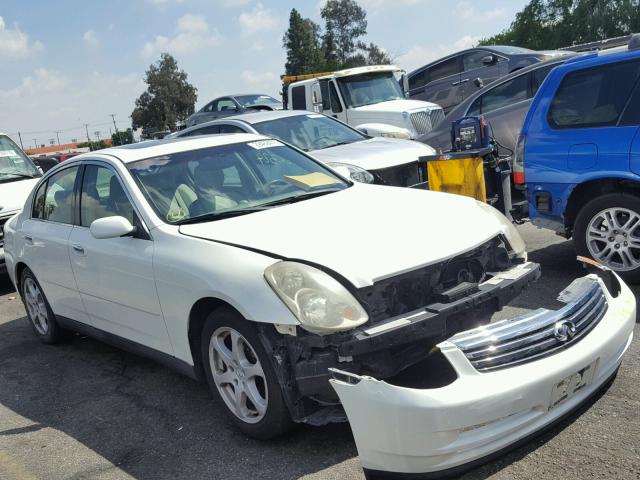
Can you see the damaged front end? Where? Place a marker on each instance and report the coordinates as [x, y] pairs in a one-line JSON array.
[[511, 379], [409, 314]]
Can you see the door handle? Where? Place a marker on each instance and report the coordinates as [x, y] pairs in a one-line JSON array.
[[28, 238], [455, 84], [78, 249]]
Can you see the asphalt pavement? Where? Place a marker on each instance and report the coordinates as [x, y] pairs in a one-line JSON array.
[[86, 410]]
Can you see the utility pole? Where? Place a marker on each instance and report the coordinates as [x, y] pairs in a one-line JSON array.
[[20, 137], [35, 142], [57, 132], [86, 127], [97, 134], [113, 117]]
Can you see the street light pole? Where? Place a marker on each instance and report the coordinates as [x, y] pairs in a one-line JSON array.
[[86, 128], [35, 142], [113, 117], [58, 136]]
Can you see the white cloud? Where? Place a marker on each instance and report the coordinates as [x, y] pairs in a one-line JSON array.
[[234, 3], [90, 39], [259, 82], [465, 10], [192, 34], [14, 43], [420, 55], [257, 20]]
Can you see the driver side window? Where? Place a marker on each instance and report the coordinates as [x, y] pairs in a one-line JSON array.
[[102, 195], [224, 105]]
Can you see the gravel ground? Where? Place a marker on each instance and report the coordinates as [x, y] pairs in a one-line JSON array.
[[86, 410]]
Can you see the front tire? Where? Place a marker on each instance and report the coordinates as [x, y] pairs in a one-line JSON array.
[[39, 313], [241, 377], [607, 229]]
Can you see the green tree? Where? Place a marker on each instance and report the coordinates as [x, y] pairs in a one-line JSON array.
[[122, 138], [302, 43], [168, 100], [550, 24], [346, 22]]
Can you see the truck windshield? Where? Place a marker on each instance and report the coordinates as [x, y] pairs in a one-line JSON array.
[[370, 88], [230, 180], [310, 131], [14, 164]]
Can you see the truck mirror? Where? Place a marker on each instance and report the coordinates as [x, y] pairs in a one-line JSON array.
[[404, 84]]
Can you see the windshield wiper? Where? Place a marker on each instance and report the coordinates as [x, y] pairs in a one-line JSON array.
[[335, 145], [20, 175], [301, 196], [207, 217]]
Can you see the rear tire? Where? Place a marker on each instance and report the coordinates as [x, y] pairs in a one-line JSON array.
[[241, 377], [42, 319], [607, 229]]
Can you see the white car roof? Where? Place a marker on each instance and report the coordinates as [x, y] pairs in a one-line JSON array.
[[156, 148]]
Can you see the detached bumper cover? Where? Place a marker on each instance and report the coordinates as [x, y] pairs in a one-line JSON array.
[[426, 431]]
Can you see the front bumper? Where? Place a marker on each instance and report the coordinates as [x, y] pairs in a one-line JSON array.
[[429, 431]]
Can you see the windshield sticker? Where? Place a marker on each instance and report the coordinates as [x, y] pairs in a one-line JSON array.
[[311, 180], [8, 153], [315, 115], [260, 144]]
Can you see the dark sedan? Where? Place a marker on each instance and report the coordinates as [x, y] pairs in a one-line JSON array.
[[450, 80], [504, 103], [233, 105]]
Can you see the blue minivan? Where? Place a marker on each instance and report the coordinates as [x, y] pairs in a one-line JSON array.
[[578, 155]]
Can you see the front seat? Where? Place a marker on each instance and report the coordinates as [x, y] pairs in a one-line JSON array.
[[118, 201]]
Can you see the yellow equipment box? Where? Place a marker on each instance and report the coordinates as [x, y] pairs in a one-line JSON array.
[[461, 173]]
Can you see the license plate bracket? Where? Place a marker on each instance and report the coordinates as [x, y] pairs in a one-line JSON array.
[[569, 386]]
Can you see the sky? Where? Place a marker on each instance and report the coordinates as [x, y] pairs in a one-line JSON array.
[[68, 63]]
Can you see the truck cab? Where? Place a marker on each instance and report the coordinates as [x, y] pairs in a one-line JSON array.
[[371, 99]]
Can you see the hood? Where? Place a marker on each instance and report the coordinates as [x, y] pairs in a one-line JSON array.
[[375, 153], [14, 194], [397, 106], [365, 232]]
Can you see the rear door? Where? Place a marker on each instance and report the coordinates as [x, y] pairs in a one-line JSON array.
[[46, 236], [443, 83]]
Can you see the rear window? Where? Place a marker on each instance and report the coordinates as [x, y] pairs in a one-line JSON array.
[[593, 97]]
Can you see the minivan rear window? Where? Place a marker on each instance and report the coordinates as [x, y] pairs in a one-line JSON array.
[[593, 97]]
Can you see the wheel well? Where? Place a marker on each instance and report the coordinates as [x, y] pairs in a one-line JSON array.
[[589, 190], [19, 269], [197, 316]]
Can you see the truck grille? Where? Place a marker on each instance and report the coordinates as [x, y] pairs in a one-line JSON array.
[[543, 332], [425, 121], [406, 175]]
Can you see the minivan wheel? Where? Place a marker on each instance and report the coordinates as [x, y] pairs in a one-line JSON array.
[[607, 229], [38, 310], [241, 377]]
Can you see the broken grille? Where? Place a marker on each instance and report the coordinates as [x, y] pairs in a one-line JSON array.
[[543, 332]]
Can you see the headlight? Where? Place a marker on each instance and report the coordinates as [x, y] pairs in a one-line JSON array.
[[508, 229], [319, 302], [356, 174]]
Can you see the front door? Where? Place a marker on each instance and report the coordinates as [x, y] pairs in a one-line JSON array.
[[444, 86], [476, 73], [115, 276]]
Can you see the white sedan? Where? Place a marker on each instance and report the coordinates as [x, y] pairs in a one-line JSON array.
[[291, 290]]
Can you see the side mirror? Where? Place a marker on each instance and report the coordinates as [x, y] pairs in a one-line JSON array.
[[489, 59], [111, 227], [479, 82]]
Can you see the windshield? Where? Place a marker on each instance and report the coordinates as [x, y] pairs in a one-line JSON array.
[[231, 179], [370, 88], [14, 164], [252, 100], [309, 132]]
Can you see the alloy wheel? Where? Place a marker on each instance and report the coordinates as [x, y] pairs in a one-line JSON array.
[[613, 238], [36, 306], [238, 374]]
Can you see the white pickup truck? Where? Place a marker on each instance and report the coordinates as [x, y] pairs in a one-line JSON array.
[[371, 99]]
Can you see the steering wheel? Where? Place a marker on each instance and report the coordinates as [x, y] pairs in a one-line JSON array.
[[318, 141]]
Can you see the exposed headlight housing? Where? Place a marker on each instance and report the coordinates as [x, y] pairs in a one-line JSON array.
[[353, 172], [319, 302], [508, 229]]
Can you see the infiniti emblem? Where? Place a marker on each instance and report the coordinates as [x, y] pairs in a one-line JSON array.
[[564, 330]]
